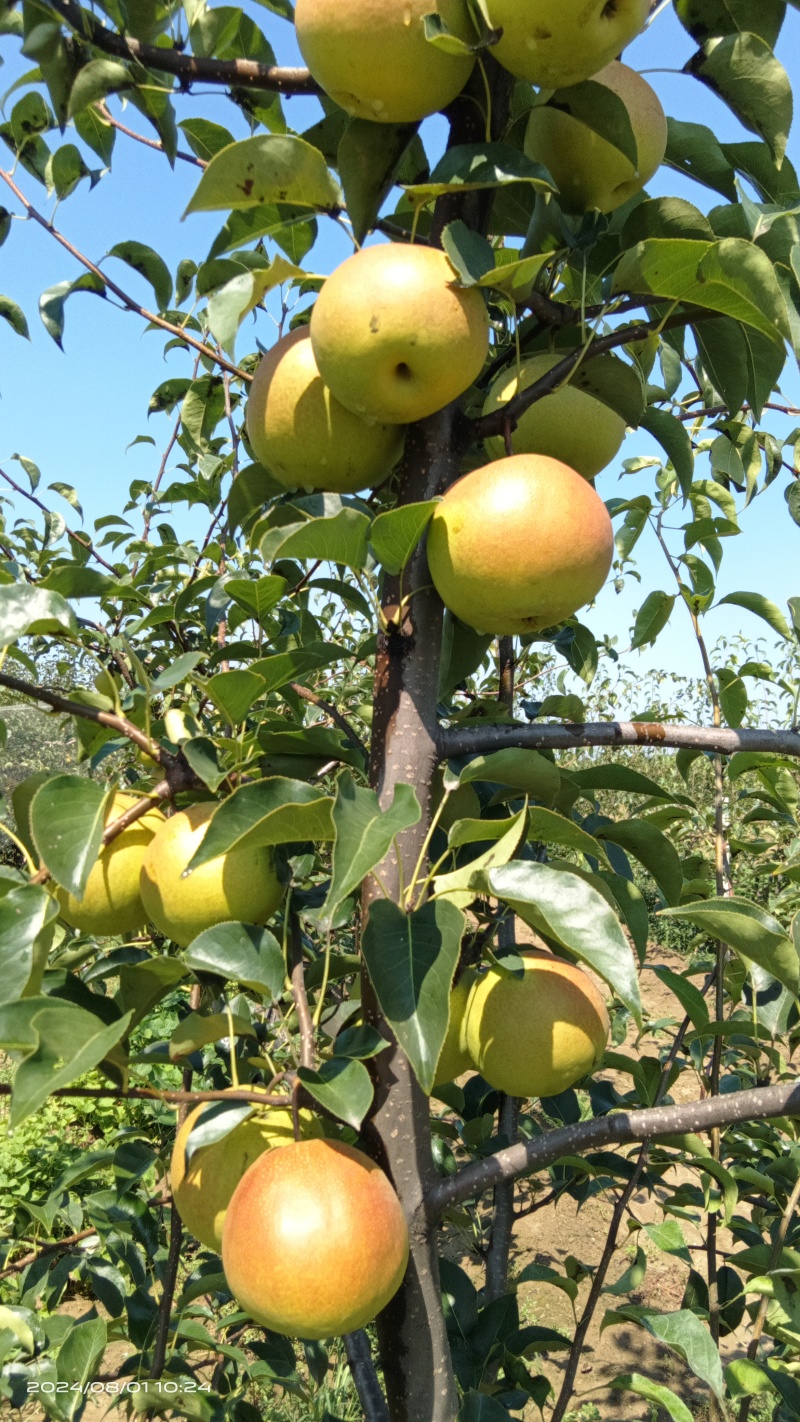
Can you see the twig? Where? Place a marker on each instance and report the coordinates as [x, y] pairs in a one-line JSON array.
[[155, 143], [370, 1394], [298, 981], [127, 301], [494, 423], [175, 1238], [763, 1307], [336, 716], [241, 73], [121, 724], [468, 740], [171, 1098], [54, 1248], [84, 543]]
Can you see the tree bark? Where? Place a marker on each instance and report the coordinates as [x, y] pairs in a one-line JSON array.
[[415, 1352]]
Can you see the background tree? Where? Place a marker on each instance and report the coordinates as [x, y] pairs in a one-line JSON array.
[[291, 664]]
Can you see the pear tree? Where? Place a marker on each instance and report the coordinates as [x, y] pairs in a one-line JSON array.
[[341, 893]]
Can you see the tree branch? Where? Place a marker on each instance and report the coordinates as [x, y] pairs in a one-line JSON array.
[[172, 1098], [299, 994], [510, 414], [121, 724], [466, 740], [619, 1128], [237, 73], [370, 1395], [85, 543], [336, 716], [127, 301]]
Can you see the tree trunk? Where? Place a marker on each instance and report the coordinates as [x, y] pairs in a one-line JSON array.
[[415, 1353]]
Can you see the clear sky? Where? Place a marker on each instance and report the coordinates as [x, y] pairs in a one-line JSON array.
[[75, 413]]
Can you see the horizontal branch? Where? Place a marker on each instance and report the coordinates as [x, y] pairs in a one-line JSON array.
[[508, 416], [236, 73], [619, 1128], [480, 740]]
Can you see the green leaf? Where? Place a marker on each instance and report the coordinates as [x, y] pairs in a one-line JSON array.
[[473, 166], [206, 139], [411, 959], [275, 671], [229, 305], [275, 811], [342, 1086], [652, 618], [652, 848], [566, 908], [733, 697], [369, 157], [686, 1335], [394, 535], [143, 984], [551, 828], [689, 997], [362, 1042], [705, 19], [662, 1396], [480, 1407], [15, 316], [202, 757], [25, 911], [463, 885], [271, 168], [674, 439], [623, 779], [602, 111], [526, 771], [364, 831], [240, 953], [342, 538], [733, 277], [149, 265], [178, 671], [693, 149], [27, 611], [750, 931], [67, 818], [96, 80], [59, 1043], [234, 693], [79, 1359], [320, 742], [744, 72], [469, 252], [762, 607], [199, 1029]]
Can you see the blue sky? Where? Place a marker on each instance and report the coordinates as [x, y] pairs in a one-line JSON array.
[[75, 413]]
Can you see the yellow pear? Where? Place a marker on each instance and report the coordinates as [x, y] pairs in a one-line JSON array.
[[372, 57], [539, 1034], [303, 435], [589, 171], [203, 1188], [554, 43], [111, 902], [394, 338], [240, 885], [569, 425], [454, 1059], [315, 1240], [519, 545]]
